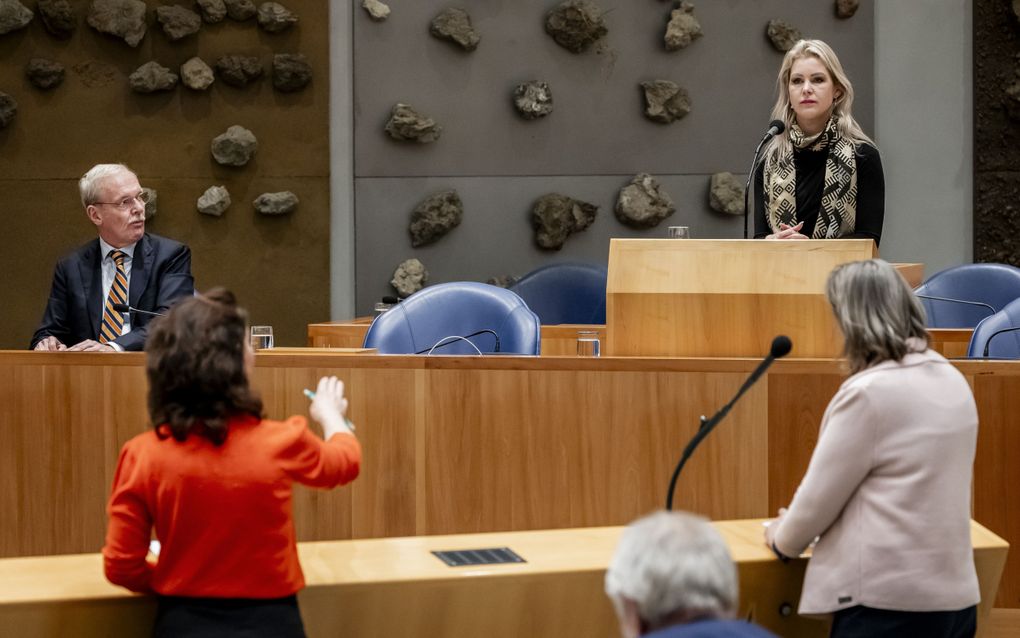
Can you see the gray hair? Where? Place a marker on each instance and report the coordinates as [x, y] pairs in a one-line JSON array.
[[876, 311], [673, 562], [91, 182]]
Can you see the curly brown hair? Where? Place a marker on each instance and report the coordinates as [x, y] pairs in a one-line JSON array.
[[195, 366]]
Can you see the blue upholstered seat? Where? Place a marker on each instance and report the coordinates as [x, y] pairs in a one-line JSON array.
[[458, 309], [1002, 346], [565, 293], [993, 284]]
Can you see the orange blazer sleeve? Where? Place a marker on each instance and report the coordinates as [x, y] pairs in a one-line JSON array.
[[129, 526], [309, 460]]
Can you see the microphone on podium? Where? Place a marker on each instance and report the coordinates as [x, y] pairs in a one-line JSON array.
[[123, 307], [775, 128], [988, 342], [781, 347]]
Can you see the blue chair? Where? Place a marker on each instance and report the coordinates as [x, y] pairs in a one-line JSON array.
[[993, 338], [987, 288], [492, 318], [565, 293]]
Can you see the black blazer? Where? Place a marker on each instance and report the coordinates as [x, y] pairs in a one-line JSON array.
[[160, 274]]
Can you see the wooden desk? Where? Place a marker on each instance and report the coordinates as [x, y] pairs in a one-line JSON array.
[[395, 587], [478, 444]]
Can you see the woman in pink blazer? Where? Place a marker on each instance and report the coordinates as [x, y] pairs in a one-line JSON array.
[[887, 491]]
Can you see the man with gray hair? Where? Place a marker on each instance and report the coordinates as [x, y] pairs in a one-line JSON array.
[[672, 577], [123, 267]]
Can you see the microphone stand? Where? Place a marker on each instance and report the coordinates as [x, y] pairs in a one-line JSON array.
[[750, 175]]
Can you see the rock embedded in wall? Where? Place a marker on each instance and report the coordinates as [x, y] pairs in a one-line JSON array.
[[409, 277], [726, 194], [555, 217], [782, 35], [281, 203], [240, 10], [239, 70], [151, 198], [235, 147], [434, 217], [152, 77], [683, 28], [273, 17], [214, 201], [13, 16], [454, 24], [44, 74], [503, 281], [291, 72], [847, 8], [533, 100], [8, 109], [213, 11], [178, 22], [643, 203], [378, 11], [576, 24], [196, 74], [407, 125], [58, 17], [95, 74], [665, 101], [124, 19]]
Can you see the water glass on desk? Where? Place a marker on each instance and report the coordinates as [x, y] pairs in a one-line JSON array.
[[261, 337], [588, 344]]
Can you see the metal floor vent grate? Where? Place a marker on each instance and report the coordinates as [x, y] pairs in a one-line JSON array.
[[488, 556]]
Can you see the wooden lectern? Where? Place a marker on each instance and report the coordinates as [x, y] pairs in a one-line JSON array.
[[723, 298]]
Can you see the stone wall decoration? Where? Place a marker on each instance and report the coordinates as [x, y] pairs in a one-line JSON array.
[[151, 198], [407, 125], [409, 277], [847, 8], [280, 203], [782, 35], [196, 74], [683, 28], [121, 18], [434, 217], [503, 281], [58, 17], [95, 74], [44, 74], [533, 100], [455, 25], [152, 77], [178, 22], [291, 72], [8, 109], [214, 201], [213, 11], [726, 194], [13, 16], [378, 11], [240, 10], [239, 70], [665, 101], [643, 203], [275, 18], [555, 217], [235, 147], [576, 24]]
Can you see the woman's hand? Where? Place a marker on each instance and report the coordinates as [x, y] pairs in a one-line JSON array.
[[770, 527], [329, 407], [788, 232]]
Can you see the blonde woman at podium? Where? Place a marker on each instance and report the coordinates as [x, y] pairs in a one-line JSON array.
[[213, 478], [821, 176], [887, 491]]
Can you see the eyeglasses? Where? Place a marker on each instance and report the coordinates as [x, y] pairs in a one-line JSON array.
[[126, 203]]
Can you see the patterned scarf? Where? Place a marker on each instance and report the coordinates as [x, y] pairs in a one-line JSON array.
[[837, 215]]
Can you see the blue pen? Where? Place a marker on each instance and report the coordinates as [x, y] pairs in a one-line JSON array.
[[311, 395]]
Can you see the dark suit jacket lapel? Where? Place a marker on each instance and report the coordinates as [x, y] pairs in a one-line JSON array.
[[140, 269], [91, 273]]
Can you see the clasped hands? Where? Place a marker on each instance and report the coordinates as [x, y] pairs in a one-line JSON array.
[[788, 232], [52, 344]]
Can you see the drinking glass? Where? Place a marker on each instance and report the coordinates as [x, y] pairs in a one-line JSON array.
[[261, 337], [679, 232], [588, 344]]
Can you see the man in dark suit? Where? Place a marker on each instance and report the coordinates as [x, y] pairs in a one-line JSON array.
[[125, 265]]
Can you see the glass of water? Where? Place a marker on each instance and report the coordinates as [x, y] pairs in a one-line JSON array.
[[261, 337], [588, 344]]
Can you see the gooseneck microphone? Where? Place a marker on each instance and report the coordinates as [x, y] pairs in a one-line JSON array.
[[959, 301], [454, 338], [775, 128], [123, 307], [988, 342], [781, 347]]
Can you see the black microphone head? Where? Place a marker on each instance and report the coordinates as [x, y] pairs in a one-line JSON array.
[[779, 126], [121, 307], [390, 299], [781, 347]]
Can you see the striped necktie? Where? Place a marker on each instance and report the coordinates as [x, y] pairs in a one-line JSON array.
[[113, 321]]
